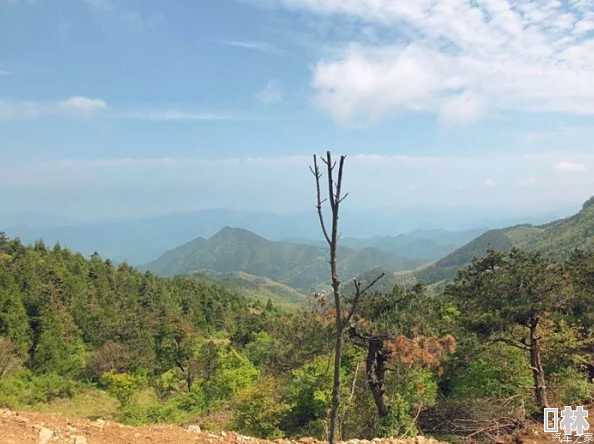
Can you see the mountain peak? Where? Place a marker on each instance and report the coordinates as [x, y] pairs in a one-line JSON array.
[[237, 234]]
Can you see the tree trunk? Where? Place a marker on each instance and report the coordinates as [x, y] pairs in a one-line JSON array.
[[336, 385], [540, 389], [376, 369], [339, 332]]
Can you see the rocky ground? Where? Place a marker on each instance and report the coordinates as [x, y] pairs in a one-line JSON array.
[[38, 428], [43, 428]]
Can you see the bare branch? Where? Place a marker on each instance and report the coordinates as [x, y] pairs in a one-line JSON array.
[[316, 172], [358, 294]]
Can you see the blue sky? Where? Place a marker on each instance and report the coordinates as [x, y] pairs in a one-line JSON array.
[[124, 108]]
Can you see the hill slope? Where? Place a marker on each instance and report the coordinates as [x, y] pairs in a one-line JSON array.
[[298, 266], [256, 287], [556, 239]]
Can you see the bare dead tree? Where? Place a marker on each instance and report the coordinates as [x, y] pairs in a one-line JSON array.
[[335, 198]]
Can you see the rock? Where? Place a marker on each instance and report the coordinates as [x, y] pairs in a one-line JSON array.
[[421, 440], [70, 428], [223, 434], [194, 429], [244, 438], [99, 423], [79, 440], [45, 435]]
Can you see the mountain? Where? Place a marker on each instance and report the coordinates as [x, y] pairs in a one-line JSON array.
[[557, 239], [418, 244], [140, 241], [296, 265]]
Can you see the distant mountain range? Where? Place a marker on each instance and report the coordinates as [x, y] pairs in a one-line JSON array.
[[143, 240], [428, 245], [302, 267], [556, 239]]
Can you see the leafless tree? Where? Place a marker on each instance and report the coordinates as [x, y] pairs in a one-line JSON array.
[[335, 198]]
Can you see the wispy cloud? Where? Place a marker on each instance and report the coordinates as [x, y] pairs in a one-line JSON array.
[[181, 115], [570, 167], [271, 93], [84, 104], [458, 59], [254, 46], [80, 106], [4, 73], [74, 106]]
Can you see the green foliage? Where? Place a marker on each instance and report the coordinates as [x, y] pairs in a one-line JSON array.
[[571, 387], [309, 392], [25, 388], [262, 350], [136, 414], [399, 421], [236, 372], [123, 386], [258, 410], [498, 372]]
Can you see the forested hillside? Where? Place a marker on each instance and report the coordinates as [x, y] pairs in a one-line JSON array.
[[557, 239], [81, 336], [298, 266]]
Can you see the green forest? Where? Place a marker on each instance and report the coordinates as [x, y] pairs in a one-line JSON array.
[[512, 333]]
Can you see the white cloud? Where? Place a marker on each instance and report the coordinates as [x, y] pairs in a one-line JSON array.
[[181, 115], [87, 107], [459, 59], [489, 183], [4, 73], [271, 93], [254, 46], [570, 167], [84, 104]]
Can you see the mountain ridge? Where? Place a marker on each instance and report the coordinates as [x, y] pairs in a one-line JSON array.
[[556, 239], [295, 265]]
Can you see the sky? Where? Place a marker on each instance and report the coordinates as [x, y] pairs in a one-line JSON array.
[[115, 109]]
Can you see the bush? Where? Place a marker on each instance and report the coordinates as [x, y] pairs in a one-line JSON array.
[[194, 401], [156, 413], [310, 392], [236, 373], [499, 372], [123, 386], [26, 389], [258, 410], [570, 387]]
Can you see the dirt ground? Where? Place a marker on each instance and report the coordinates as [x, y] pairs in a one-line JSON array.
[[44, 428]]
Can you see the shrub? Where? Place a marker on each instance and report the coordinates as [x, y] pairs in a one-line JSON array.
[[157, 413], [123, 386], [258, 410], [570, 387], [24, 388], [499, 372]]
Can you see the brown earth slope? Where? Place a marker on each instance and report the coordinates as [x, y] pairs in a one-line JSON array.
[[43, 428]]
